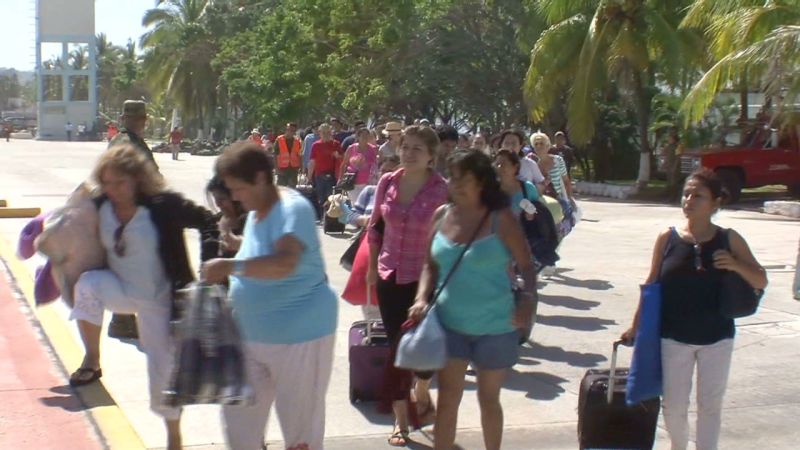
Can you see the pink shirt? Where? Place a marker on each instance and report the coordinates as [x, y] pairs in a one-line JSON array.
[[404, 242], [362, 164]]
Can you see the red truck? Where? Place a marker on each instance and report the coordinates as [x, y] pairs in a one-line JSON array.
[[772, 157]]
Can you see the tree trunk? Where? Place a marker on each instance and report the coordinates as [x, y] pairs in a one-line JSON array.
[[643, 118], [743, 100]]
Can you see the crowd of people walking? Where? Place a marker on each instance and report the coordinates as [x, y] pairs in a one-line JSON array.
[[464, 222]]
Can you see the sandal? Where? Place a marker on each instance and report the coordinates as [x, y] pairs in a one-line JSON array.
[[399, 438], [79, 377]]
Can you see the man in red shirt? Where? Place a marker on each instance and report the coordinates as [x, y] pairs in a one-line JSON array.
[[325, 157], [175, 138]]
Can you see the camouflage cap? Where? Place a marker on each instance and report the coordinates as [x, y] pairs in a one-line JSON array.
[[134, 108]]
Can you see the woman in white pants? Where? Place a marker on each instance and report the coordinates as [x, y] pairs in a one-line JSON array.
[[690, 260], [141, 228], [283, 303]]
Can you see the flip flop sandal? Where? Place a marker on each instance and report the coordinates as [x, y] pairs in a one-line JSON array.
[[399, 438], [78, 378]]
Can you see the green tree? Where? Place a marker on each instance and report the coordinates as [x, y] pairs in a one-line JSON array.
[[108, 57], [9, 88], [752, 43], [593, 46], [177, 57]]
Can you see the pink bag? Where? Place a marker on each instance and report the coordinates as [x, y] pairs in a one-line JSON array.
[[355, 292]]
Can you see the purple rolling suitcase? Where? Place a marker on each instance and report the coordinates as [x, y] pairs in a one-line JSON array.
[[369, 353]]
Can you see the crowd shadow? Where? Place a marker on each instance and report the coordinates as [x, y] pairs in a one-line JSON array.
[[575, 322], [536, 385], [529, 354], [560, 278], [568, 302]]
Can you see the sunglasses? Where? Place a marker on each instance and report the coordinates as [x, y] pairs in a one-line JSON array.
[[698, 258], [119, 243]]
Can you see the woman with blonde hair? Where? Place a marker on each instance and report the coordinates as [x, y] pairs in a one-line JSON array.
[[557, 182], [141, 228]]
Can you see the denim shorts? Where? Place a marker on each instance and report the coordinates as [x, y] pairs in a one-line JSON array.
[[489, 351]]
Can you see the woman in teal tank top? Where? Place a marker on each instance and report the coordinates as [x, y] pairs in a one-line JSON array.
[[476, 305]]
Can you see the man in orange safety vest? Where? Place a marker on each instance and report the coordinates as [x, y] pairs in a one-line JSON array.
[[288, 156]]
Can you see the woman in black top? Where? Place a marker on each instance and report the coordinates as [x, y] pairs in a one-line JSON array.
[[231, 217], [691, 259]]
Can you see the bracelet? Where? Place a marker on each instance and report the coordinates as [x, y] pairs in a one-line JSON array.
[[238, 268]]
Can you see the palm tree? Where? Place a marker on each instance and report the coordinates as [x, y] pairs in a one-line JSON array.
[[178, 54], [754, 41], [593, 46], [107, 55]]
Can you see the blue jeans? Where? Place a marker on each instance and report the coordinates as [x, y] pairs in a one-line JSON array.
[[323, 185]]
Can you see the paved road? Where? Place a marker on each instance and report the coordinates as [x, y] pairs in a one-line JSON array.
[[584, 307]]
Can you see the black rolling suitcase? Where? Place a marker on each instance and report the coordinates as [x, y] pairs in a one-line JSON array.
[[605, 421], [307, 191]]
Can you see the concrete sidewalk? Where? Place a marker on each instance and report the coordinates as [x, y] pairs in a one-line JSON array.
[[583, 309]]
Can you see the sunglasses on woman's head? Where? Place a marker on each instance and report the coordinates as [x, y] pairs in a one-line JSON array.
[[119, 243]]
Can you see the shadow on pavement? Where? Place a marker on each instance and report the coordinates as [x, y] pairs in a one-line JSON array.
[[575, 323], [594, 285], [558, 354], [568, 302], [69, 401], [345, 235], [369, 411], [536, 385]]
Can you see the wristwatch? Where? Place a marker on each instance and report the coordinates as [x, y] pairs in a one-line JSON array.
[[238, 268]]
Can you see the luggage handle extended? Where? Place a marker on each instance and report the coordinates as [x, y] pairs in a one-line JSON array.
[[370, 323], [613, 372]]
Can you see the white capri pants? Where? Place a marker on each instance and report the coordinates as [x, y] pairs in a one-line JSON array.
[[98, 290], [293, 376], [713, 366]]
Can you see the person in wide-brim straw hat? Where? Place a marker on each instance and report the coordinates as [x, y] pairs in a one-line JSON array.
[[393, 132], [392, 127]]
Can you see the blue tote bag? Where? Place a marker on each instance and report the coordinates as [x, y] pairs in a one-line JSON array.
[[645, 379]]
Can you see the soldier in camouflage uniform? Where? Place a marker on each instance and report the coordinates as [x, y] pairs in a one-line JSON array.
[[132, 123]]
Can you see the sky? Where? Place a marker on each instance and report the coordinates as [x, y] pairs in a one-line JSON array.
[[118, 19]]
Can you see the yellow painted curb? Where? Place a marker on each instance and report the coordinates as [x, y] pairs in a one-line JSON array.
[[19, 213], [111, 421]]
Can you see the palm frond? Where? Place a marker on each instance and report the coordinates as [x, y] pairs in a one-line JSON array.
[[581, 106], [780, 45], [555, 11], [553, 64]]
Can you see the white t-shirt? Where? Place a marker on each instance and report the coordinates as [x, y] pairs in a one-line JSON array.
[[529, 171], [139, 268]]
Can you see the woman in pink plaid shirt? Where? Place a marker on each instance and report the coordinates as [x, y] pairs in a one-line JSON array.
[[405, 201]]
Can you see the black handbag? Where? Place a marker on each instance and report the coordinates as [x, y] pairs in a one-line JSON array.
[[349, 255], [347, 182], [736, 297]]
